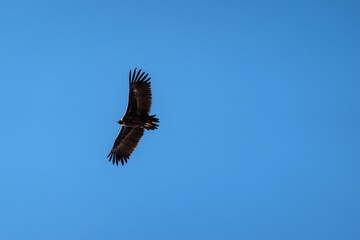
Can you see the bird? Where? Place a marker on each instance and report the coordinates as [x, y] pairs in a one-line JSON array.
[[136, 118]]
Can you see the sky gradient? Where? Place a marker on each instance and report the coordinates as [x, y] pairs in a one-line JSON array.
[[259, 110]]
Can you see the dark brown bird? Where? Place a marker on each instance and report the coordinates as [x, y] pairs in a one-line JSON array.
[[136, 118]]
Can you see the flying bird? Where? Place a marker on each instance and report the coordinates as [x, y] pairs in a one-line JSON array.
[[136, 118]]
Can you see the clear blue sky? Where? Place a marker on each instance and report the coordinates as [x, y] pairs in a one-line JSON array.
[[259, 107]]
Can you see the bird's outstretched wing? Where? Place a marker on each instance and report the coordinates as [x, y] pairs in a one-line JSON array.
[[125, 144], [140, 98]]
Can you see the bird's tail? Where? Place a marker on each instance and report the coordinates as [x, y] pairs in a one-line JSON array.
[[151, 124]]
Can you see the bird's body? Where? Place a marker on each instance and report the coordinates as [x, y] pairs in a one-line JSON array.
[[136, 118], [139, 120]]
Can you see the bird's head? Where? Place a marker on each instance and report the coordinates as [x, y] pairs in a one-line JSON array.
[[120, 122]]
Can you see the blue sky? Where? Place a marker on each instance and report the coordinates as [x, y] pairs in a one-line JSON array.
[[259, 120]]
